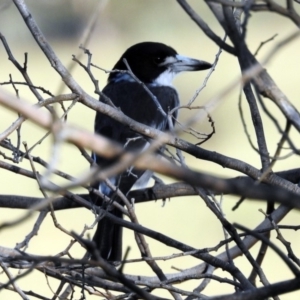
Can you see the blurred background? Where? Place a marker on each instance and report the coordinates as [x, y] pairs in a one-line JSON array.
[[119, 25]]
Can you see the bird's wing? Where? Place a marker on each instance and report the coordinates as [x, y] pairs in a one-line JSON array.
[[132, 99]]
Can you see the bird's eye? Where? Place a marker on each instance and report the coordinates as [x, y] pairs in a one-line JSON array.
[[158, 60]]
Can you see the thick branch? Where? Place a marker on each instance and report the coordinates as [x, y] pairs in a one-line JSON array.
[[158, 191]]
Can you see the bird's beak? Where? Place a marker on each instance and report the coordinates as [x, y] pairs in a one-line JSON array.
[[181, 63]]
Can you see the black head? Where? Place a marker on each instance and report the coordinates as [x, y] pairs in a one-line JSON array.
[[155, 63]]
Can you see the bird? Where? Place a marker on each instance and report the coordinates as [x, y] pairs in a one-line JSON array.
[[140, 85]]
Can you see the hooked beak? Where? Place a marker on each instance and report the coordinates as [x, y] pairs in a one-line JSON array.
[[181, 63]]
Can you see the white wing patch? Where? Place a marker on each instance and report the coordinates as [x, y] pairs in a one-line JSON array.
[[143, 181]]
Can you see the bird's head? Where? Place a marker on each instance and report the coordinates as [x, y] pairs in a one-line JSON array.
[[154, 63]]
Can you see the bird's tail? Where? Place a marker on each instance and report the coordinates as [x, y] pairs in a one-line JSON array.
[[108, 238]]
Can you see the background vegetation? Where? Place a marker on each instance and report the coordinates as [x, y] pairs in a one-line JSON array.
[[107, 28]]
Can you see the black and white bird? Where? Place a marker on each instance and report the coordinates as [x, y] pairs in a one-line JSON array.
[[155, 65]]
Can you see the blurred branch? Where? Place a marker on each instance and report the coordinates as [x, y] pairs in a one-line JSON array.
[[108, 149]]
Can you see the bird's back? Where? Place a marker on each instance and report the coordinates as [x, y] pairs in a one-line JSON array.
[[133, 100]]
